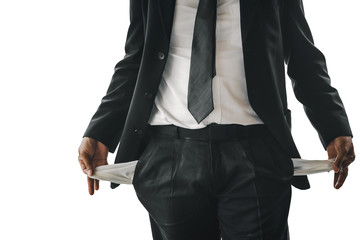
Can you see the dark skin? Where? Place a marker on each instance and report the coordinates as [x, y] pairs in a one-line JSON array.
[[93, 153], [342, 149]]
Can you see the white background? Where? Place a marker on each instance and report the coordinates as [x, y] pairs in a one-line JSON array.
[[56, 61]]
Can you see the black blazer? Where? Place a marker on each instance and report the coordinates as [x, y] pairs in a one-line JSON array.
[[273, 32]]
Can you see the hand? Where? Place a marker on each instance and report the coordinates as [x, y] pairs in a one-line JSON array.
[[342, 150], [92, 154]]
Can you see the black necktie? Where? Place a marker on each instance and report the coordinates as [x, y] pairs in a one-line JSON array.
[[202, 68]]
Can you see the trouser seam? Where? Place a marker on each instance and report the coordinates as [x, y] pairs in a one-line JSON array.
[[211, 166], [251, 158]]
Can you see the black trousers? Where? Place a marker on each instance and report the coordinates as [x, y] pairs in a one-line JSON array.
[[227, 182]]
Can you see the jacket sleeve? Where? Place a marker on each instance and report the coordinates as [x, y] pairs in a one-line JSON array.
[[307, 70], [107, 123]]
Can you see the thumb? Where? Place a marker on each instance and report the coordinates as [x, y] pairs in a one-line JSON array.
[[338, 161]]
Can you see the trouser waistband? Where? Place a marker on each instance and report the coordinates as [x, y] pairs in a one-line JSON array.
[[218, 132]]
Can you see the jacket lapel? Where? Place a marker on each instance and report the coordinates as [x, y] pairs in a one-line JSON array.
[[166, 12], [248, 9]]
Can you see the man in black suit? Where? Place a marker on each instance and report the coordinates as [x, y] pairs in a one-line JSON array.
[[200, 100]]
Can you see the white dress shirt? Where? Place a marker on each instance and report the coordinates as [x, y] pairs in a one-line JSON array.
[[231, 103]]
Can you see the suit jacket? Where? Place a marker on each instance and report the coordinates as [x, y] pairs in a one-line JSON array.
[[273, 32]]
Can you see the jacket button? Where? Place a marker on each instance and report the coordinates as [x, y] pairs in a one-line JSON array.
[[148, 95], [138, 131], [161, 55]]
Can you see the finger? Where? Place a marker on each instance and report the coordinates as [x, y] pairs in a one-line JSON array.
[[340, 177], [339, 160], [349, 158], [84, 156], [90, 185], [82, 166], [347, 161], [351, 153], [86, 168], [90, 172], [97, 185]]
